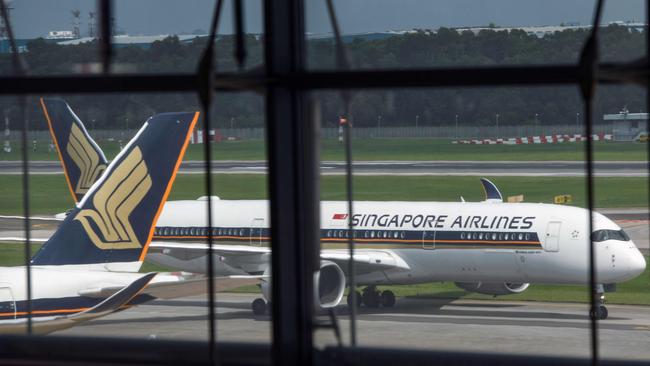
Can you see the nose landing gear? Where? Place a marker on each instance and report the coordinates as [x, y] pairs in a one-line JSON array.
[[259, 306], [599, 310]]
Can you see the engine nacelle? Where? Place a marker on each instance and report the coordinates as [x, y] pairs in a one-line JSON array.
[[491, 288], [329, 285]]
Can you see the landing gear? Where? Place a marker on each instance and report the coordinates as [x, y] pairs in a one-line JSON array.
[[387, 299], [359, 300], [373, 298], [259, 306], [599, 311]]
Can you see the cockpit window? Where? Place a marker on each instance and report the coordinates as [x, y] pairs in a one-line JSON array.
[[602, 235]]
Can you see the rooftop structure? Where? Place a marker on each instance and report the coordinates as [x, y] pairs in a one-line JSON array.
[[627, 126]]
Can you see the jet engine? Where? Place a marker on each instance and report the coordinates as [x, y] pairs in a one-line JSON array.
[[491, 288], [329, 285]]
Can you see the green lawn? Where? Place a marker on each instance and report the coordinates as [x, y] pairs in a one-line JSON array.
[[392, 149], [50, 194]]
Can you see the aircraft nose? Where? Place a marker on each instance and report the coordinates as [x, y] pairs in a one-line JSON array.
[[637, 263]]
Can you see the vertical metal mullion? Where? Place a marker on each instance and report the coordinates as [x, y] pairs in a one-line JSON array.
[[28, 247], [647, 121], [589, 70], [106, 32], [20, 68], [293, 177]]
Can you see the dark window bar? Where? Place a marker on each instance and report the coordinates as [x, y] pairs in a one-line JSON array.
[[609, 73], [293, 182]]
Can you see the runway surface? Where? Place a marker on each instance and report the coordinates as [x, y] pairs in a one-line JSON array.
[[433, 324], [455, 168]]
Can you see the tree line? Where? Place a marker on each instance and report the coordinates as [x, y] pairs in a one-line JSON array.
[[395, 107]]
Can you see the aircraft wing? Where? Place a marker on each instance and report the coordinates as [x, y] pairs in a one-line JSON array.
[[171, 286], [219, 249], [366, 260], [45, 325]]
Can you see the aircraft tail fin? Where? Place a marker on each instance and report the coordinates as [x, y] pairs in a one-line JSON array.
[[492, 193], [82, 159], [113, 224]]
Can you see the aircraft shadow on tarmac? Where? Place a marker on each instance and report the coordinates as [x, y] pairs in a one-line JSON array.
[[247, 314], [441, 305]]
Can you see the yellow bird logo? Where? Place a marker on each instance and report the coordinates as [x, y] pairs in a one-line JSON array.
[[86, 158], [114, 201]]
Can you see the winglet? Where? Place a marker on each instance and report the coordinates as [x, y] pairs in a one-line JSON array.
[[112, 225], [492, 193]]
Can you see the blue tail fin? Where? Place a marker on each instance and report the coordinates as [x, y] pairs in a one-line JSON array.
[[492, 193], [114, 222], [83, 161]]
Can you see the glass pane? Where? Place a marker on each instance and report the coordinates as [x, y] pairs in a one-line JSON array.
[[621, 195], [440, 243], [90, 131], [419, 34]]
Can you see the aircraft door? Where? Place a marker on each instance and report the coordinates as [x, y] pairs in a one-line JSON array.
[[552, 243], [429, 240], [255, 236], [7, 302]]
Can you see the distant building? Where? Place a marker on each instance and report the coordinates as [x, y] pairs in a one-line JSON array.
[[627, 126], [60, 35], [138, 41]]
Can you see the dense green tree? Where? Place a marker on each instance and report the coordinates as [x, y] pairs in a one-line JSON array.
[[418, 49]]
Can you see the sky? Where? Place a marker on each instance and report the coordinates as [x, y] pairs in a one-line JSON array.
[[34, 18]]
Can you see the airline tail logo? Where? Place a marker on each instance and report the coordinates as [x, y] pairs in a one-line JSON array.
[[108, 225], [86, 158]]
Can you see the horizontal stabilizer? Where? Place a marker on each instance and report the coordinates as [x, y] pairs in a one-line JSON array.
[[45, 325], [492, 193], [120, 298], [171, 286]]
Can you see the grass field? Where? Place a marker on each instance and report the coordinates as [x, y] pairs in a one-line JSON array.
[[393, 149], [635, 292], [50, 194]]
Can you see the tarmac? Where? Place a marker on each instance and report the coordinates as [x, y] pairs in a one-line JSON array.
[[557, 329]]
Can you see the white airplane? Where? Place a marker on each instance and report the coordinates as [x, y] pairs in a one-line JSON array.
[[488, 247], [88, 268]]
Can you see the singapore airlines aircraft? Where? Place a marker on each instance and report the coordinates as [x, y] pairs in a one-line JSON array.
[[488, 247], [88, 268]]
